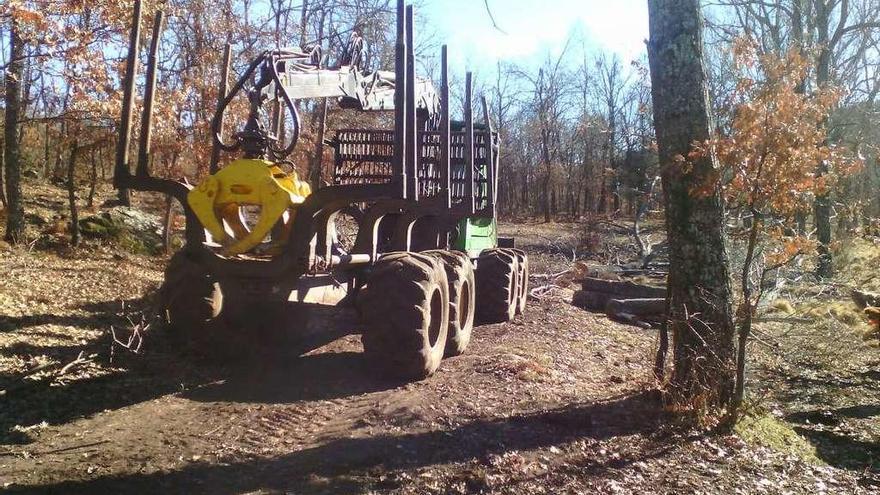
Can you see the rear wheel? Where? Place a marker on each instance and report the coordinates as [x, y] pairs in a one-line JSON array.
[[405, 310], [462, 298], [496, 277]]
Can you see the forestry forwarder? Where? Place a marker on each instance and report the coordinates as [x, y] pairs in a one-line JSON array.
[[426, 257]]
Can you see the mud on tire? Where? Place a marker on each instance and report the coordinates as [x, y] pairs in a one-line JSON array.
[[462, 298], [405, 310], [496, 277]]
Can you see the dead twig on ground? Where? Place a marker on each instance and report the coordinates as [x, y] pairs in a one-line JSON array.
[[21, 381], [80, 359], [543, 291], [139, 323], [782, 319], [551, 276]]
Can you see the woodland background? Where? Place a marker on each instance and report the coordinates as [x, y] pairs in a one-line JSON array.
[[785, 174], [577, 129]]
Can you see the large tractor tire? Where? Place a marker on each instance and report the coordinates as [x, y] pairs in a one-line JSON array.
[[462, 298], [192, 302], [497, 289], [405, 310], [522, 280]]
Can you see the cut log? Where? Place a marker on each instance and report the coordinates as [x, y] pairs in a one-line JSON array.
[[645, 308], [590, 300], [630, 319], [622, 290]]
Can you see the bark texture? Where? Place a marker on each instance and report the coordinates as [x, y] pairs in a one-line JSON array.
[[12, 162], [71, 194], [822, 204], [698, 287]]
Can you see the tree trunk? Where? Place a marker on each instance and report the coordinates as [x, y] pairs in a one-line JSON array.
[[103, 168], [71, 194], [822, 216], [698, 286], [546, 195], [662, 349], [318, 160], [46, 152], [822, 203], [93, 180], [2, 188], [166, 224], [14, 72]]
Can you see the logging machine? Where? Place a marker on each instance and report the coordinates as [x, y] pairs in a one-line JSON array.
[[426, 259]]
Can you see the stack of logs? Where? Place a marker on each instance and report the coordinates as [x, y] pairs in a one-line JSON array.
[[624, 301]]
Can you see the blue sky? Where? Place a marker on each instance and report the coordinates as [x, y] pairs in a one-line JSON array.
[[535, 28]]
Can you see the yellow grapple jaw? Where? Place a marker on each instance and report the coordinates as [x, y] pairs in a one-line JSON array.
[[244, 182]]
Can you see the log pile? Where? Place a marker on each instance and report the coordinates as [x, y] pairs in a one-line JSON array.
[[624, 301]]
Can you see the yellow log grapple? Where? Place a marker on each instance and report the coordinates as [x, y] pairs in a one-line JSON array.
[[217, 202]]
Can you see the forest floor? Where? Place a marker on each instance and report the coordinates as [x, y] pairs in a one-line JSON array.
[[558, 401]]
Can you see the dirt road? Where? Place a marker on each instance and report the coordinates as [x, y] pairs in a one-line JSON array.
[[558, 401]]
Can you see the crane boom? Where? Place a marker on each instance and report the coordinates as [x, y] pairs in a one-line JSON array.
[[366, 91]]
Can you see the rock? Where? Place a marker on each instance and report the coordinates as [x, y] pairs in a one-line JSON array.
[[97, 226], [133, 229], [134, 218]]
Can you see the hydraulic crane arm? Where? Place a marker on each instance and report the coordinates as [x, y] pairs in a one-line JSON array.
[[288, 75], [366, 91]]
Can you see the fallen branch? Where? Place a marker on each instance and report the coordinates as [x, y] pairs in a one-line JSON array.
[[782, 319], [135, 339], [542, 291], [76, 362], [550, 275], [21, 381]]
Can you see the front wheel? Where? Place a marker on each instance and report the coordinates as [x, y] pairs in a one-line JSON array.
[[405, 310]]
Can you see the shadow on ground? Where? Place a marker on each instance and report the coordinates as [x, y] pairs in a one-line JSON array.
[[833, 431], [324, 376], [344, 465], [165, 367], [837, 447]]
